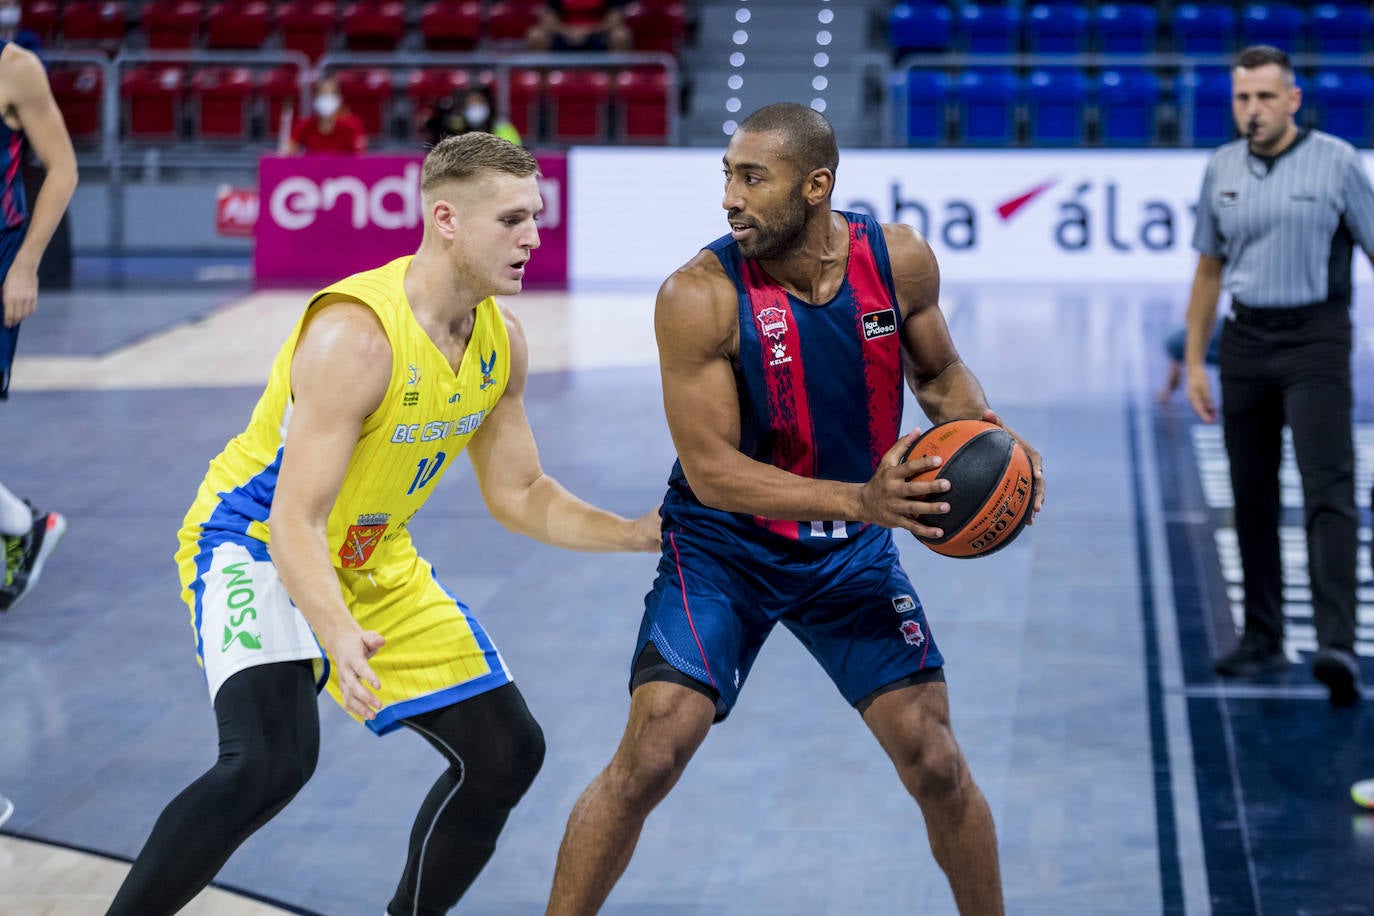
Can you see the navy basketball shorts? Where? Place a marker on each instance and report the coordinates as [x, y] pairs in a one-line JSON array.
[[10, 240], [715, 601]]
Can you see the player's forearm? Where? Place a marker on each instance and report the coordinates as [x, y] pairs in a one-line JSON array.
[[737, 483], [1202, 314], [300, 552], [954, 394], [547, 512], [53, 196]]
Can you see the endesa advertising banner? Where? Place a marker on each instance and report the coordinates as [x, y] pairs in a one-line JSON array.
[[321, 218], [1019, 215]]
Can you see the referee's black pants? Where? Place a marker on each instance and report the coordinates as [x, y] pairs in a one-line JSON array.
[[1293, 366]]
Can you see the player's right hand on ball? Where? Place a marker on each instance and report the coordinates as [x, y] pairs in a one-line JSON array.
[[893, 500], [349, 654]]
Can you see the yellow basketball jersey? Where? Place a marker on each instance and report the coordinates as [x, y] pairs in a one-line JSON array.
[[425, 419]]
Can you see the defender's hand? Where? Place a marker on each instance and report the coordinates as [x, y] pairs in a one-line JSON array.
[[645, 532], [349, 654]]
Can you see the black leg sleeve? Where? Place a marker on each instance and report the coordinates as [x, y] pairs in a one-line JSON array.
[[494, 749], [269, 741]]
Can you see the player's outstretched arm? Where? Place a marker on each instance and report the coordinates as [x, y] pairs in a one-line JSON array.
[[697, 328], [522, 497], [32, 104], [339, 375], [944, 386]]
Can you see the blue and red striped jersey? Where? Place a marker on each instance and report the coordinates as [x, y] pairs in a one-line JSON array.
[[13, 207], [820, 386]]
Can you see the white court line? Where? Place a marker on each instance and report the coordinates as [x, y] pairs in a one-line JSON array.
[[1192, 857], [234, 346]]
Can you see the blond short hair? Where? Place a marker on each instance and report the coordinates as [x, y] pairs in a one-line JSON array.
[[467, 156]]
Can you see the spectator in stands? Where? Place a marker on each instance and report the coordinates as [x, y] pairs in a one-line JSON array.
[[581, 25], [466, 110], [332, 128], [10, 16]]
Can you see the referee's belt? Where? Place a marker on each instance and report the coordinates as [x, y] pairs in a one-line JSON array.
[[1285, 316]]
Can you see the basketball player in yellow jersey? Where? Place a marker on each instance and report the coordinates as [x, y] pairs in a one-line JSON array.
[[389, 374]]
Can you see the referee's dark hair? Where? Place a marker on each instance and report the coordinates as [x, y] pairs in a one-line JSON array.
[[1260, 55]]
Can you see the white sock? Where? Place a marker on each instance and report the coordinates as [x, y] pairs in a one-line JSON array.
[[15, 517]]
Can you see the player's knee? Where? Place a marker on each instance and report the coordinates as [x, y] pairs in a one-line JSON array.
[[525, 750], [272, 779], [642, 775], [935, 773]]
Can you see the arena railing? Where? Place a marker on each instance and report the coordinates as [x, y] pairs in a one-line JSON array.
[[1183, 66]]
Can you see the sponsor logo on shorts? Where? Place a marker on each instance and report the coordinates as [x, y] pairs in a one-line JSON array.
[[880, 324], [359, 542], [241, 599], [903, 603], [912, 632]]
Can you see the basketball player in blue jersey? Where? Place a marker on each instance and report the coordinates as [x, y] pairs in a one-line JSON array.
[[28, 117], [297, 562], [783, 347]]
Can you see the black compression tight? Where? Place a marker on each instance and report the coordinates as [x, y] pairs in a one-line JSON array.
[[494, 749], [269, 743], [269, 740]]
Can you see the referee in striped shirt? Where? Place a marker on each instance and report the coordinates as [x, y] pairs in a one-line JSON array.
[[1280, 213]]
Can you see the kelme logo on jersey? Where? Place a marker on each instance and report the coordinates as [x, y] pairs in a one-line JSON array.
[[358, 544], [240, 600], [880, 324], [488, 367]]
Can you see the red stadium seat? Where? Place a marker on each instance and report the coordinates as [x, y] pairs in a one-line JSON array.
[[426, 87], [221, 97], [234, 24], [306, 26], [154, 97], [642, 99], [367, 93], [40, 18], [509, 20], [451, 25], [88, 22], [79, 98], [657, 27], [374, 25], [581, 102], [280, 87], [171, 25], [526, 88]]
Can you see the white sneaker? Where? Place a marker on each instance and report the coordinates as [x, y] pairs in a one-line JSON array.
[[6, 809], [1363, 793]]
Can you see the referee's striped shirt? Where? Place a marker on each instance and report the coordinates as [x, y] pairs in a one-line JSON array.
[[1286, 225]]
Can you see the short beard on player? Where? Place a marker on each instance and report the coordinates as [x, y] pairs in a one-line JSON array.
[[778, 237]]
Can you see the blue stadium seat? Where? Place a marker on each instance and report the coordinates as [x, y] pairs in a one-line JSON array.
[[922, 117], [919, 27], [1203, 28], [1126, 28], [1343, 98], [1056, 98], [990, 28], [1212, 122], [1338, 29], [1057, 28], [1128, 100], [1276, 24], [987, 100]]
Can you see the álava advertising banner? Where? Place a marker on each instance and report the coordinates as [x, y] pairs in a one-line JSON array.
[[322, 218]]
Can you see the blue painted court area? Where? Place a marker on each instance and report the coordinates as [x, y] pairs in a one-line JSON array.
[[1123, 778]]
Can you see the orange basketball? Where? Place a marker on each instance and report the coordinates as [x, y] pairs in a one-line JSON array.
[[990, 487]]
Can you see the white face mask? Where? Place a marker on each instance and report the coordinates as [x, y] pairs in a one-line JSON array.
[[476, 114], [326, 105], [9, 17]]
